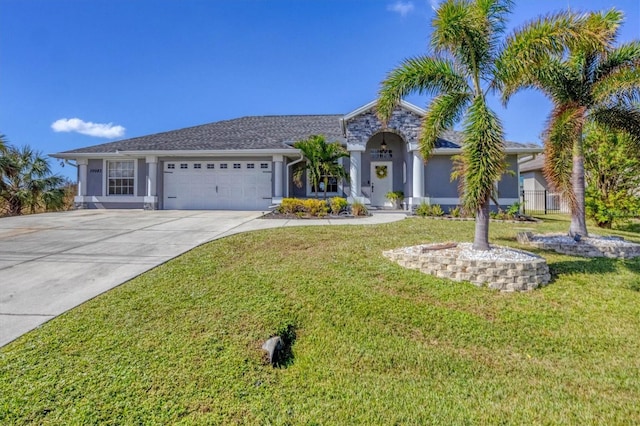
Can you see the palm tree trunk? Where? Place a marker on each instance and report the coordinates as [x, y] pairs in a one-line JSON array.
[[481, 238], [578, 220]]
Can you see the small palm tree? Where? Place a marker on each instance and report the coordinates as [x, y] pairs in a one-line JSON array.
[[330, 154], [465, 42], [588, 80], [26, 181], [321, 162]]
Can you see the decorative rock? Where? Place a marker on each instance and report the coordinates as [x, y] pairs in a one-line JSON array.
[[274, 347], [592, 246]]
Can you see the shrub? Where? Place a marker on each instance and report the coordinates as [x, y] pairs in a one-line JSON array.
[[425, 209], [514, 209], [436, 210], [338, 204], [455, 211], [315, 207], [300, 208], [291, 206], [359, 209]]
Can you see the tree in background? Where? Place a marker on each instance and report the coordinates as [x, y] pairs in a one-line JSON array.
[[588, 80], [612, 174], [322, 162], [26, 181]]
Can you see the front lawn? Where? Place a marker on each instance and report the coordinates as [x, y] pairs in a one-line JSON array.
[[375, 343]]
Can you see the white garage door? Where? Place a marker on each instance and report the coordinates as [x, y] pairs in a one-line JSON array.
[[213, 185]]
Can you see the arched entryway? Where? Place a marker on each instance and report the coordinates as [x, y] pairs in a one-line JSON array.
[[384, 167]]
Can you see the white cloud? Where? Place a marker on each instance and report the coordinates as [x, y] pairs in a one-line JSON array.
[[401, 7], [434, 4], [98, 130]]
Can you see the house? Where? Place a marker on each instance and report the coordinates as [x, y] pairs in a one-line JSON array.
[[248, 163], [537, 194]]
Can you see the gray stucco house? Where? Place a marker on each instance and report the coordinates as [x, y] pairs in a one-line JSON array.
[[248, 163]]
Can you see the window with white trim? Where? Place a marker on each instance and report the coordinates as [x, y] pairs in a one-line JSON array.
[[197, 166], [171, 166], [223, 165], [120, 177], [184, 166], [251, 166], [236, 165], [211, 166], [264, 165]]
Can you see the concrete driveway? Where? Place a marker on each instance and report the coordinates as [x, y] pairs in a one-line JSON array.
[[51, 262]]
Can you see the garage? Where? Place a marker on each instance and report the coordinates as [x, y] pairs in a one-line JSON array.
[[217, 185]]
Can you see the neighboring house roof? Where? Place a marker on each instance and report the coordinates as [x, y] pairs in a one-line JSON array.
[[274, 133], [532, 165]]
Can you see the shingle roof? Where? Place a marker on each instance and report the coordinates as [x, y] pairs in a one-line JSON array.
[[532, 165], [453, 139], [248, 133], [264, 132]]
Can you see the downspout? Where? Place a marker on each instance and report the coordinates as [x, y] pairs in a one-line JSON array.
[[289, 165]]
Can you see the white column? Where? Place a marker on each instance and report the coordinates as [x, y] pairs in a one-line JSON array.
[[355, 174], [82, 176], [418, 175], [277, 176], [152, 176], [151, 199]]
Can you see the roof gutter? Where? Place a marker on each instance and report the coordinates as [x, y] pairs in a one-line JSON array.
[[180, 153]]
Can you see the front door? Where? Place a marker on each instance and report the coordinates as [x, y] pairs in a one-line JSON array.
[[381, 182]]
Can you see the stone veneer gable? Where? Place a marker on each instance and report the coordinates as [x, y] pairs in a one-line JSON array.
[[404, 122]]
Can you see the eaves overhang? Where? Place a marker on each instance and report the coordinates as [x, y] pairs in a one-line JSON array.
[[178, 153]]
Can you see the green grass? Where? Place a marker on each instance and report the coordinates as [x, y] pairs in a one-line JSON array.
[[376, 343]]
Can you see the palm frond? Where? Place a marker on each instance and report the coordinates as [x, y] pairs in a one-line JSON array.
[[422, 75], [529, 48], [443, 112], [625, 55], [620, 117], [564, 127], [619, 86], [483, 154]]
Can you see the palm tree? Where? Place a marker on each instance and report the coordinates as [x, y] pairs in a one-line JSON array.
[[330, 154], [322, 162], [26, 181], [465, 41], [588, 80]]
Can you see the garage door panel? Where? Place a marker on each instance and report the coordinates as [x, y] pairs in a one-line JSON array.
[[212, 186]]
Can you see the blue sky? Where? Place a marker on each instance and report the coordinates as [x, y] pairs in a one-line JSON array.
[[126, 68]]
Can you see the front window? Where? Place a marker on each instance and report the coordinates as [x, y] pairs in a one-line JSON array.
[[120, 178], [332, 185]]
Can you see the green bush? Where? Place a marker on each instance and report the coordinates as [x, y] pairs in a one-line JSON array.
[[291, 206], [338, 204], [426, 209], [423, 209], [301, 208], [455, 211], [513, 210], [619, 207], [436, 210], [316, 207]]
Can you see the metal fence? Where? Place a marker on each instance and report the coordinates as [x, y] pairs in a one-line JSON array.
[[544, 202]]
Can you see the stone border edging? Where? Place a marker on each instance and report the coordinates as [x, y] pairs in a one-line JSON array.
[[611, 247], [443, 261]]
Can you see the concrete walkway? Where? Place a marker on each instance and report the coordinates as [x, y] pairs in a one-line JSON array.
[[50, 263]]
